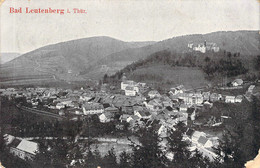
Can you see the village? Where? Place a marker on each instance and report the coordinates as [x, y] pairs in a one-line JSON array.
[[133, 103]]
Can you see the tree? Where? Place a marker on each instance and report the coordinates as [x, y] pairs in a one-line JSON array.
[[2, 145], [198, 160], [148, 154], [256, 123], [179, 147], [53, 154], [105, 78], [92, 160], [207, 59], [257, 65], [124, 161], [110, 159]]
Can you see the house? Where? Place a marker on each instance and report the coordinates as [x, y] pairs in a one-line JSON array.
[[128, 118], [61, 113], [189, 132], [138, 108], [196, 135], [106, 117], [175, 91], [143, 114], [10, 89], [192, 113], [182, 117], [206, 103], [183, 108], [128, 110], [60, 106], [125, 117], [124, 84], [230, 99], [215, 97], [205, 142], [135, 124], [111, 109], [162, 131], [92, 108], [239, 99], [237, 82], [2, 90], [77, 112], [129, 91], [153, 105], [21, 148], [191, 98], [206, 96], [134, 119], [251, 88], [153, 94], [85, 98], [130, 83], [141, 84], [190, 45]]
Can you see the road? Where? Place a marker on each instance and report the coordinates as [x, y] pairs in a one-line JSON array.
[[40, 70], [40, 112], [122, 141]]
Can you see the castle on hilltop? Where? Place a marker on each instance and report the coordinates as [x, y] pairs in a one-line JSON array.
[[203, 47]]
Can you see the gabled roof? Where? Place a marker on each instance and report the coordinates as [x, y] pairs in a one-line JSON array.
[[144, 113], [230, 97], [21, 144], [238, 81], [111, 109], [130, 88], [190, 132], [198, 134], [169, 108], [154, 92], [138, 108], [239, 97], [107, 114], [8, 138], [202, 140], [93, 106], [128, 109], [134, 117], [28, 146], [129, 82], [124, 116], [15, 143], [183, 106]]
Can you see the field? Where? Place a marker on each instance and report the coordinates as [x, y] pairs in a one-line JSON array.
[[106, 146], [168, 76]]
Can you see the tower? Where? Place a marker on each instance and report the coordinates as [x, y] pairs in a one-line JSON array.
[[124, 77]]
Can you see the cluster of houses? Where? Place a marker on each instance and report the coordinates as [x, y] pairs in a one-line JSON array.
[[200, 98], [139, 106], [203, 47]]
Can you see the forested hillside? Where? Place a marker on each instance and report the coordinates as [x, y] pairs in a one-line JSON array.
[[168, 67]]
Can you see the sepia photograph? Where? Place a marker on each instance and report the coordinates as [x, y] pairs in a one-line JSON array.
[[129, 84]]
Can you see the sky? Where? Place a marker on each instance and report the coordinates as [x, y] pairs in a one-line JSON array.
[[126, 20]]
